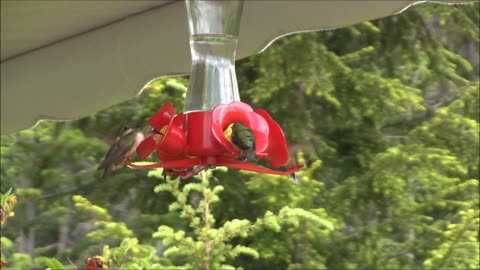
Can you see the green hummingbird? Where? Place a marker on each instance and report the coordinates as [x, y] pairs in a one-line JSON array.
[[244, 139], [124, 146]]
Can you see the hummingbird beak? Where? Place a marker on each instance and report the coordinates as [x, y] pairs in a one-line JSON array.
[[148, 131]]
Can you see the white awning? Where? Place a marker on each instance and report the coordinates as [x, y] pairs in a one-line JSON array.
[[64, 60]]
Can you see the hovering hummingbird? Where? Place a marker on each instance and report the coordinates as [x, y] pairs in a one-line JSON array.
[[294, 177], [124, 146], [243, 139], [291, 162]]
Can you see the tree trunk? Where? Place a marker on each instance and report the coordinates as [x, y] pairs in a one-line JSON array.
[[64, 231], [27, 236]]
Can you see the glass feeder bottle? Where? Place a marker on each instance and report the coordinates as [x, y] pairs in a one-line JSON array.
[[213, 28]]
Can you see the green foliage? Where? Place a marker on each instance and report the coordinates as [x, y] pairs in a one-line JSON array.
[[49, 262], [129, 255], [82, 204], [8, 201], [7, 204], [132, 255], [19, 260], [461, 248], [209, 247]]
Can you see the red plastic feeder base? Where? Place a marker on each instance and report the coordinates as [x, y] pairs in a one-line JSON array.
[[189, 143]]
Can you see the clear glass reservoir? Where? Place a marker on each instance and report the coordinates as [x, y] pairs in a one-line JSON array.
[[214, 28]]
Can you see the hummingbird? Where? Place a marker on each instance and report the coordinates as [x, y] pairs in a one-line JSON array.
[[244, 140], [294, 177], [290, 163], [124, 146]]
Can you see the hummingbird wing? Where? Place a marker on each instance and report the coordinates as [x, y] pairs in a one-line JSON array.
[[113, 155], [119, 148]]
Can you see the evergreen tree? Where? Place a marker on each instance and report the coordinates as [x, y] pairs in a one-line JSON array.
[[384, 113]]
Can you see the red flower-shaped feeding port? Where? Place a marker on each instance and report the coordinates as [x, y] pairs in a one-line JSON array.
[[189, 143]]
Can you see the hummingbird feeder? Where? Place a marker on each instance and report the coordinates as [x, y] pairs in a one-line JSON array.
[[200, 137]]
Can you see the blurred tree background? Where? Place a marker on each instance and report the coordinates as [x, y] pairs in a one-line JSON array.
[[384, 113]]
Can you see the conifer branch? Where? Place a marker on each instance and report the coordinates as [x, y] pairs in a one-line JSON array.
[[208, 247], [451, 247]]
